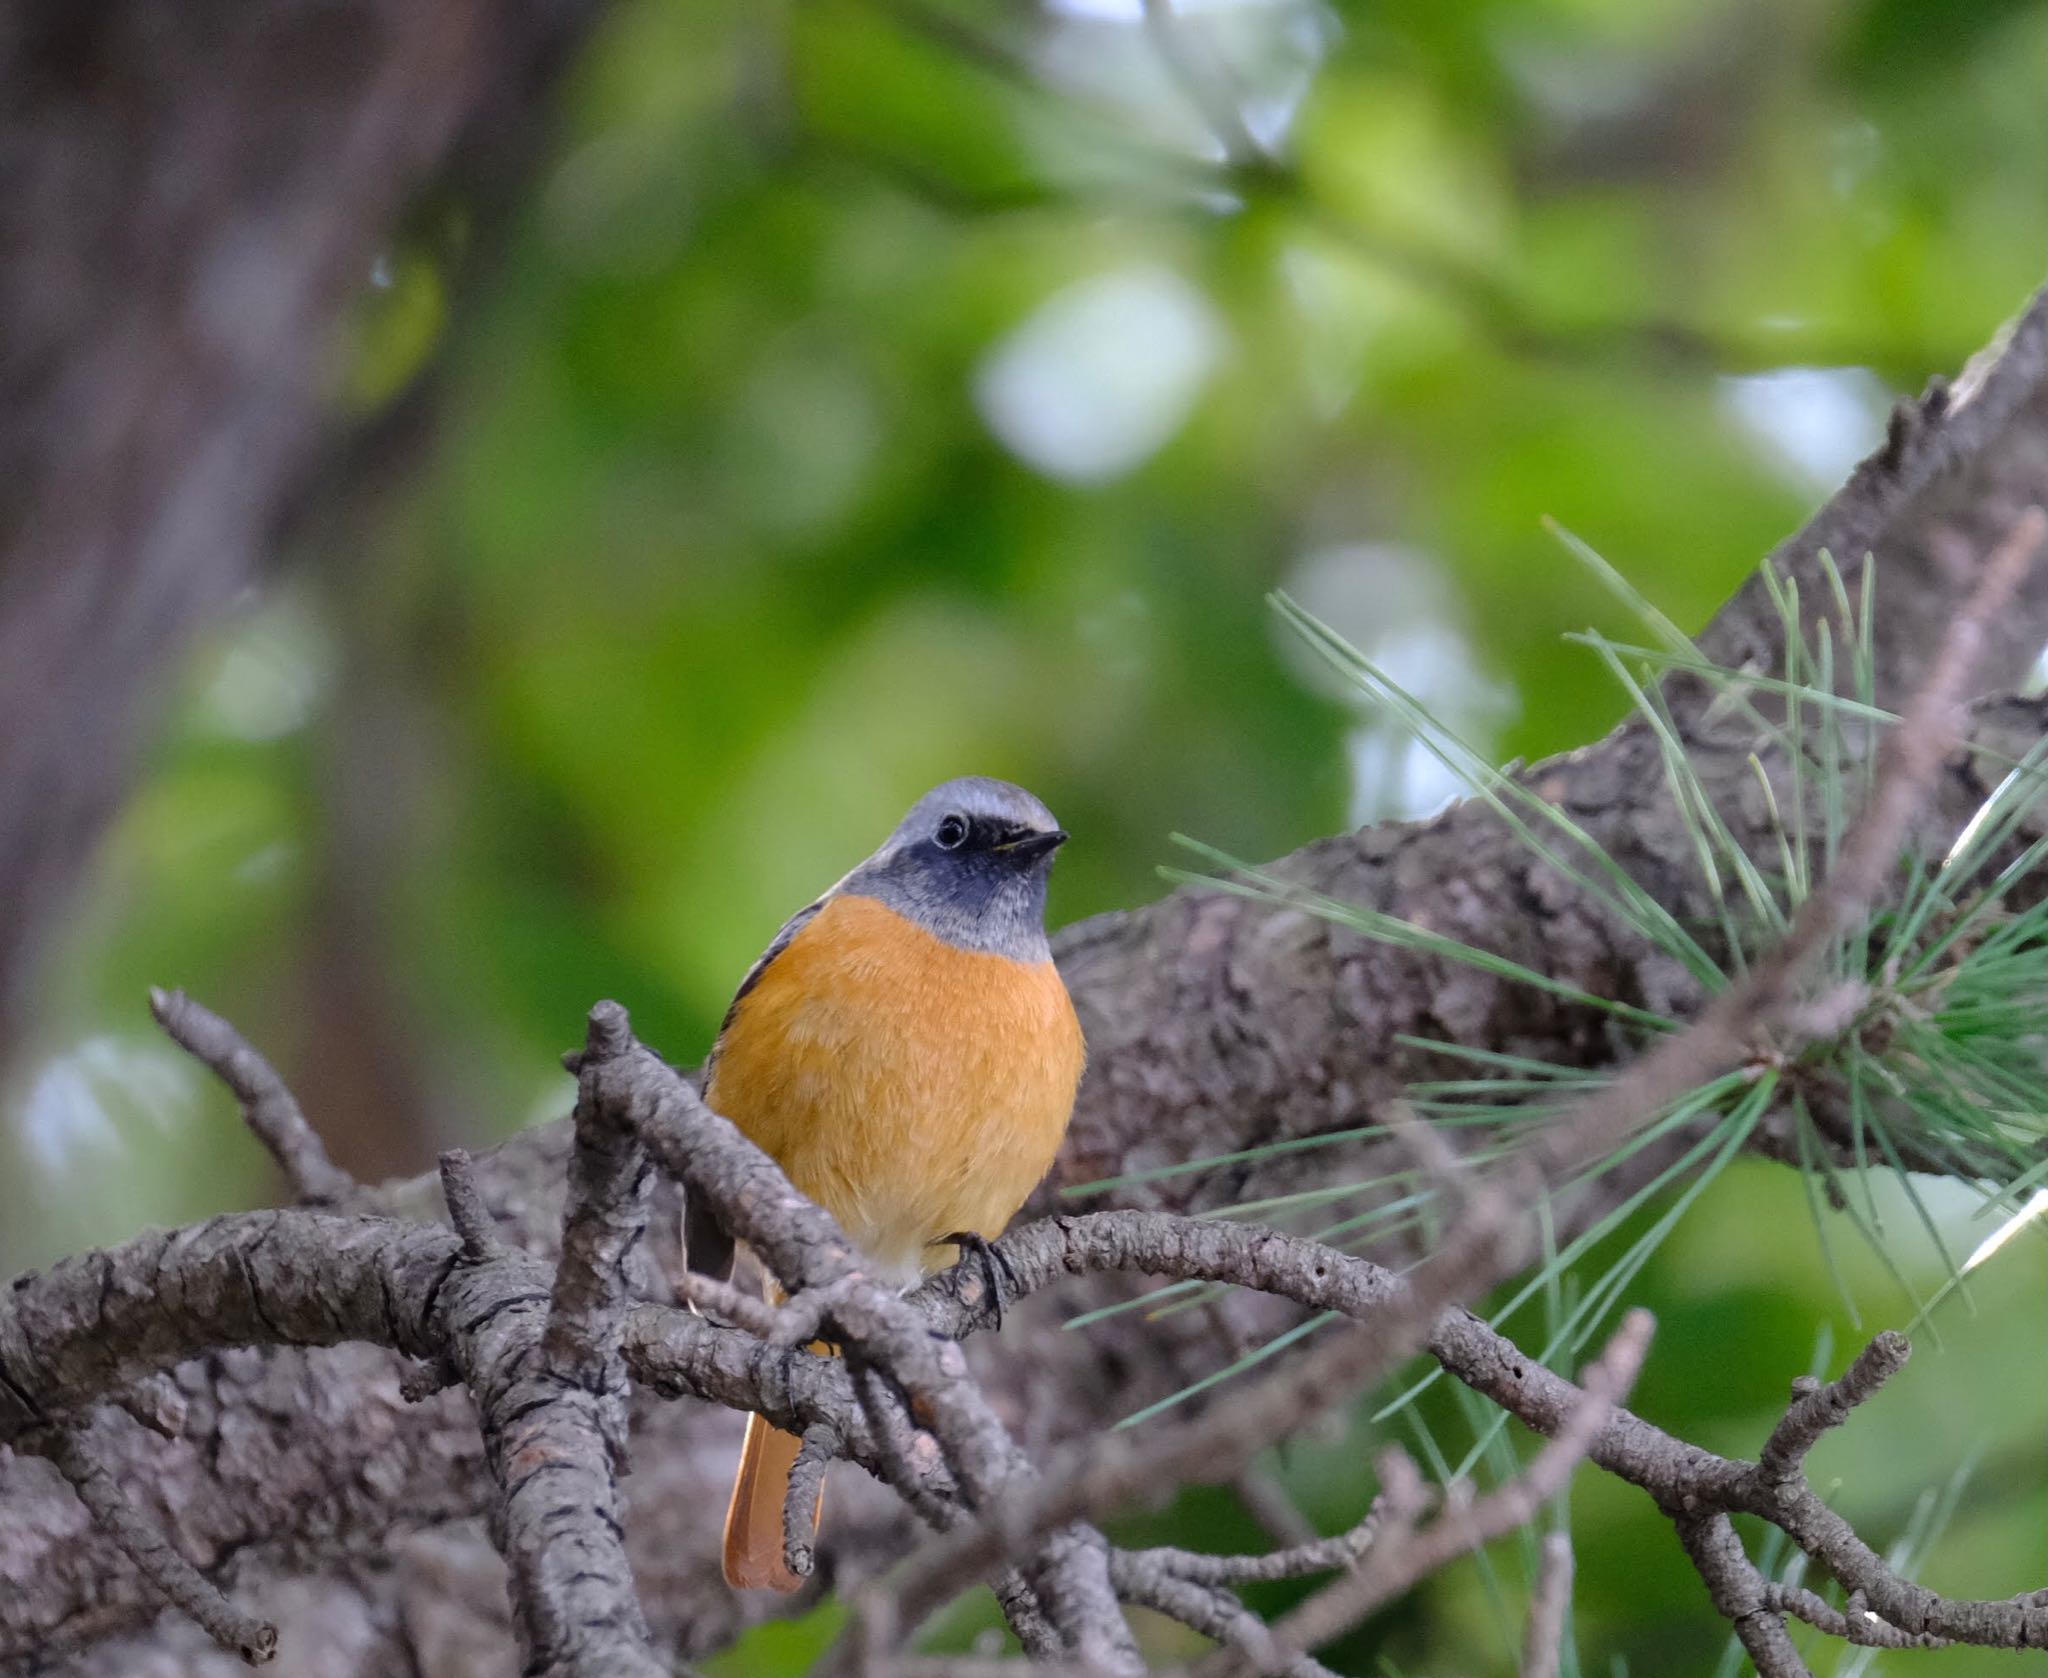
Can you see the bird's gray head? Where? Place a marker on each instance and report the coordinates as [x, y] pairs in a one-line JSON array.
[[969, 864]]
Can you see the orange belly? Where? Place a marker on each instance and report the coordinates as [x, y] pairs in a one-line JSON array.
[[911, 1088]]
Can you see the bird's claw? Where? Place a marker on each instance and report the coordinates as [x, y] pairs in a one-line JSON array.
[[995, 1268]]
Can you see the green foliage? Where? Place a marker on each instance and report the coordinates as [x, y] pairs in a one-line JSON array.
[[1937, 1052], [1936, 1055]]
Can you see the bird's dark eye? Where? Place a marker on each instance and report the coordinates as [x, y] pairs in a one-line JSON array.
[[952, 833]]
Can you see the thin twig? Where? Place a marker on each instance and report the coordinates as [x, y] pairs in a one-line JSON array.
[[1221, 1440], [549, 1381], [467, 1212], [722, 1302], [174, 1578], [544, 1368], [1549, 1603], [1209, 1609], [1391, 1569], [1858, 1625], [821, 1443], [1296, 1561], [1672, 1471], [268, 1106], [1738, 1591], [604, 1218], [1815, 1407]]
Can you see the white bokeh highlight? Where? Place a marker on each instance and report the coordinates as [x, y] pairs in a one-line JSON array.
[[1812, 423], [80, 1102], [1391, 603], [1101, 376]]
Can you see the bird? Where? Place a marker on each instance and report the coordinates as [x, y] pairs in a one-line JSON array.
[[907, 1052]]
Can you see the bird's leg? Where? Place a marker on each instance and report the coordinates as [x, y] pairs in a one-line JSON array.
[[995, 1268]]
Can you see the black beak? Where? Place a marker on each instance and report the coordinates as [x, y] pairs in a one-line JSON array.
[[1034, 845]]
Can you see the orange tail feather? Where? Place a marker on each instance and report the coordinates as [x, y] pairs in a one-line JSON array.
[[754, 1558]]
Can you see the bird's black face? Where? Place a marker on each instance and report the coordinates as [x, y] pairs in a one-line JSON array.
[[1002, 840], [969, 864]]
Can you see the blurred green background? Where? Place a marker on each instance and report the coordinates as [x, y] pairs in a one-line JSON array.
[[871, 391]]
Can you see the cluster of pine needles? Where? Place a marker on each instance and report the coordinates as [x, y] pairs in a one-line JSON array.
[[1929, 1060]]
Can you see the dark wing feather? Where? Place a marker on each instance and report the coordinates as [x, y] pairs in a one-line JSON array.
[[707, 1246]]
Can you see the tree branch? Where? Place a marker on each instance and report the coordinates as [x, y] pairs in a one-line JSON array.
[[1550, 1603], [173, 1577], [268, 1108]]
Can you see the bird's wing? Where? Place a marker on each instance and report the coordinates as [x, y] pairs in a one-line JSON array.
[[707, 1245], [781, 941]]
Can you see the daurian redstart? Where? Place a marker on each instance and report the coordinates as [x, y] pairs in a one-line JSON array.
[[906, 1052]]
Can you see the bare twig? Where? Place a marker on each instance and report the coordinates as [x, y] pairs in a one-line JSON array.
[[1739, 1592], [467, 1212], [1816, 1407], [1858, 1625], [1393, 1325], [1390, 1569], [604, 1219], [1549, 1603], [821, 1443], [1297, 1561], [1673, 1472], [174, 1578], [547, 1372], [723, 1302], [1209, 1609], [549, 1382], [268, 1106]]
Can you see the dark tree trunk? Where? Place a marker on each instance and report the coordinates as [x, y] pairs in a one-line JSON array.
[[194, 196]]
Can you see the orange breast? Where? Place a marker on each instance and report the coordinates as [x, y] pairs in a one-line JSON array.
[[911, 1088]]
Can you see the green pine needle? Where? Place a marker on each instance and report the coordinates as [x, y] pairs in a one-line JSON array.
[[1944, 1044]]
